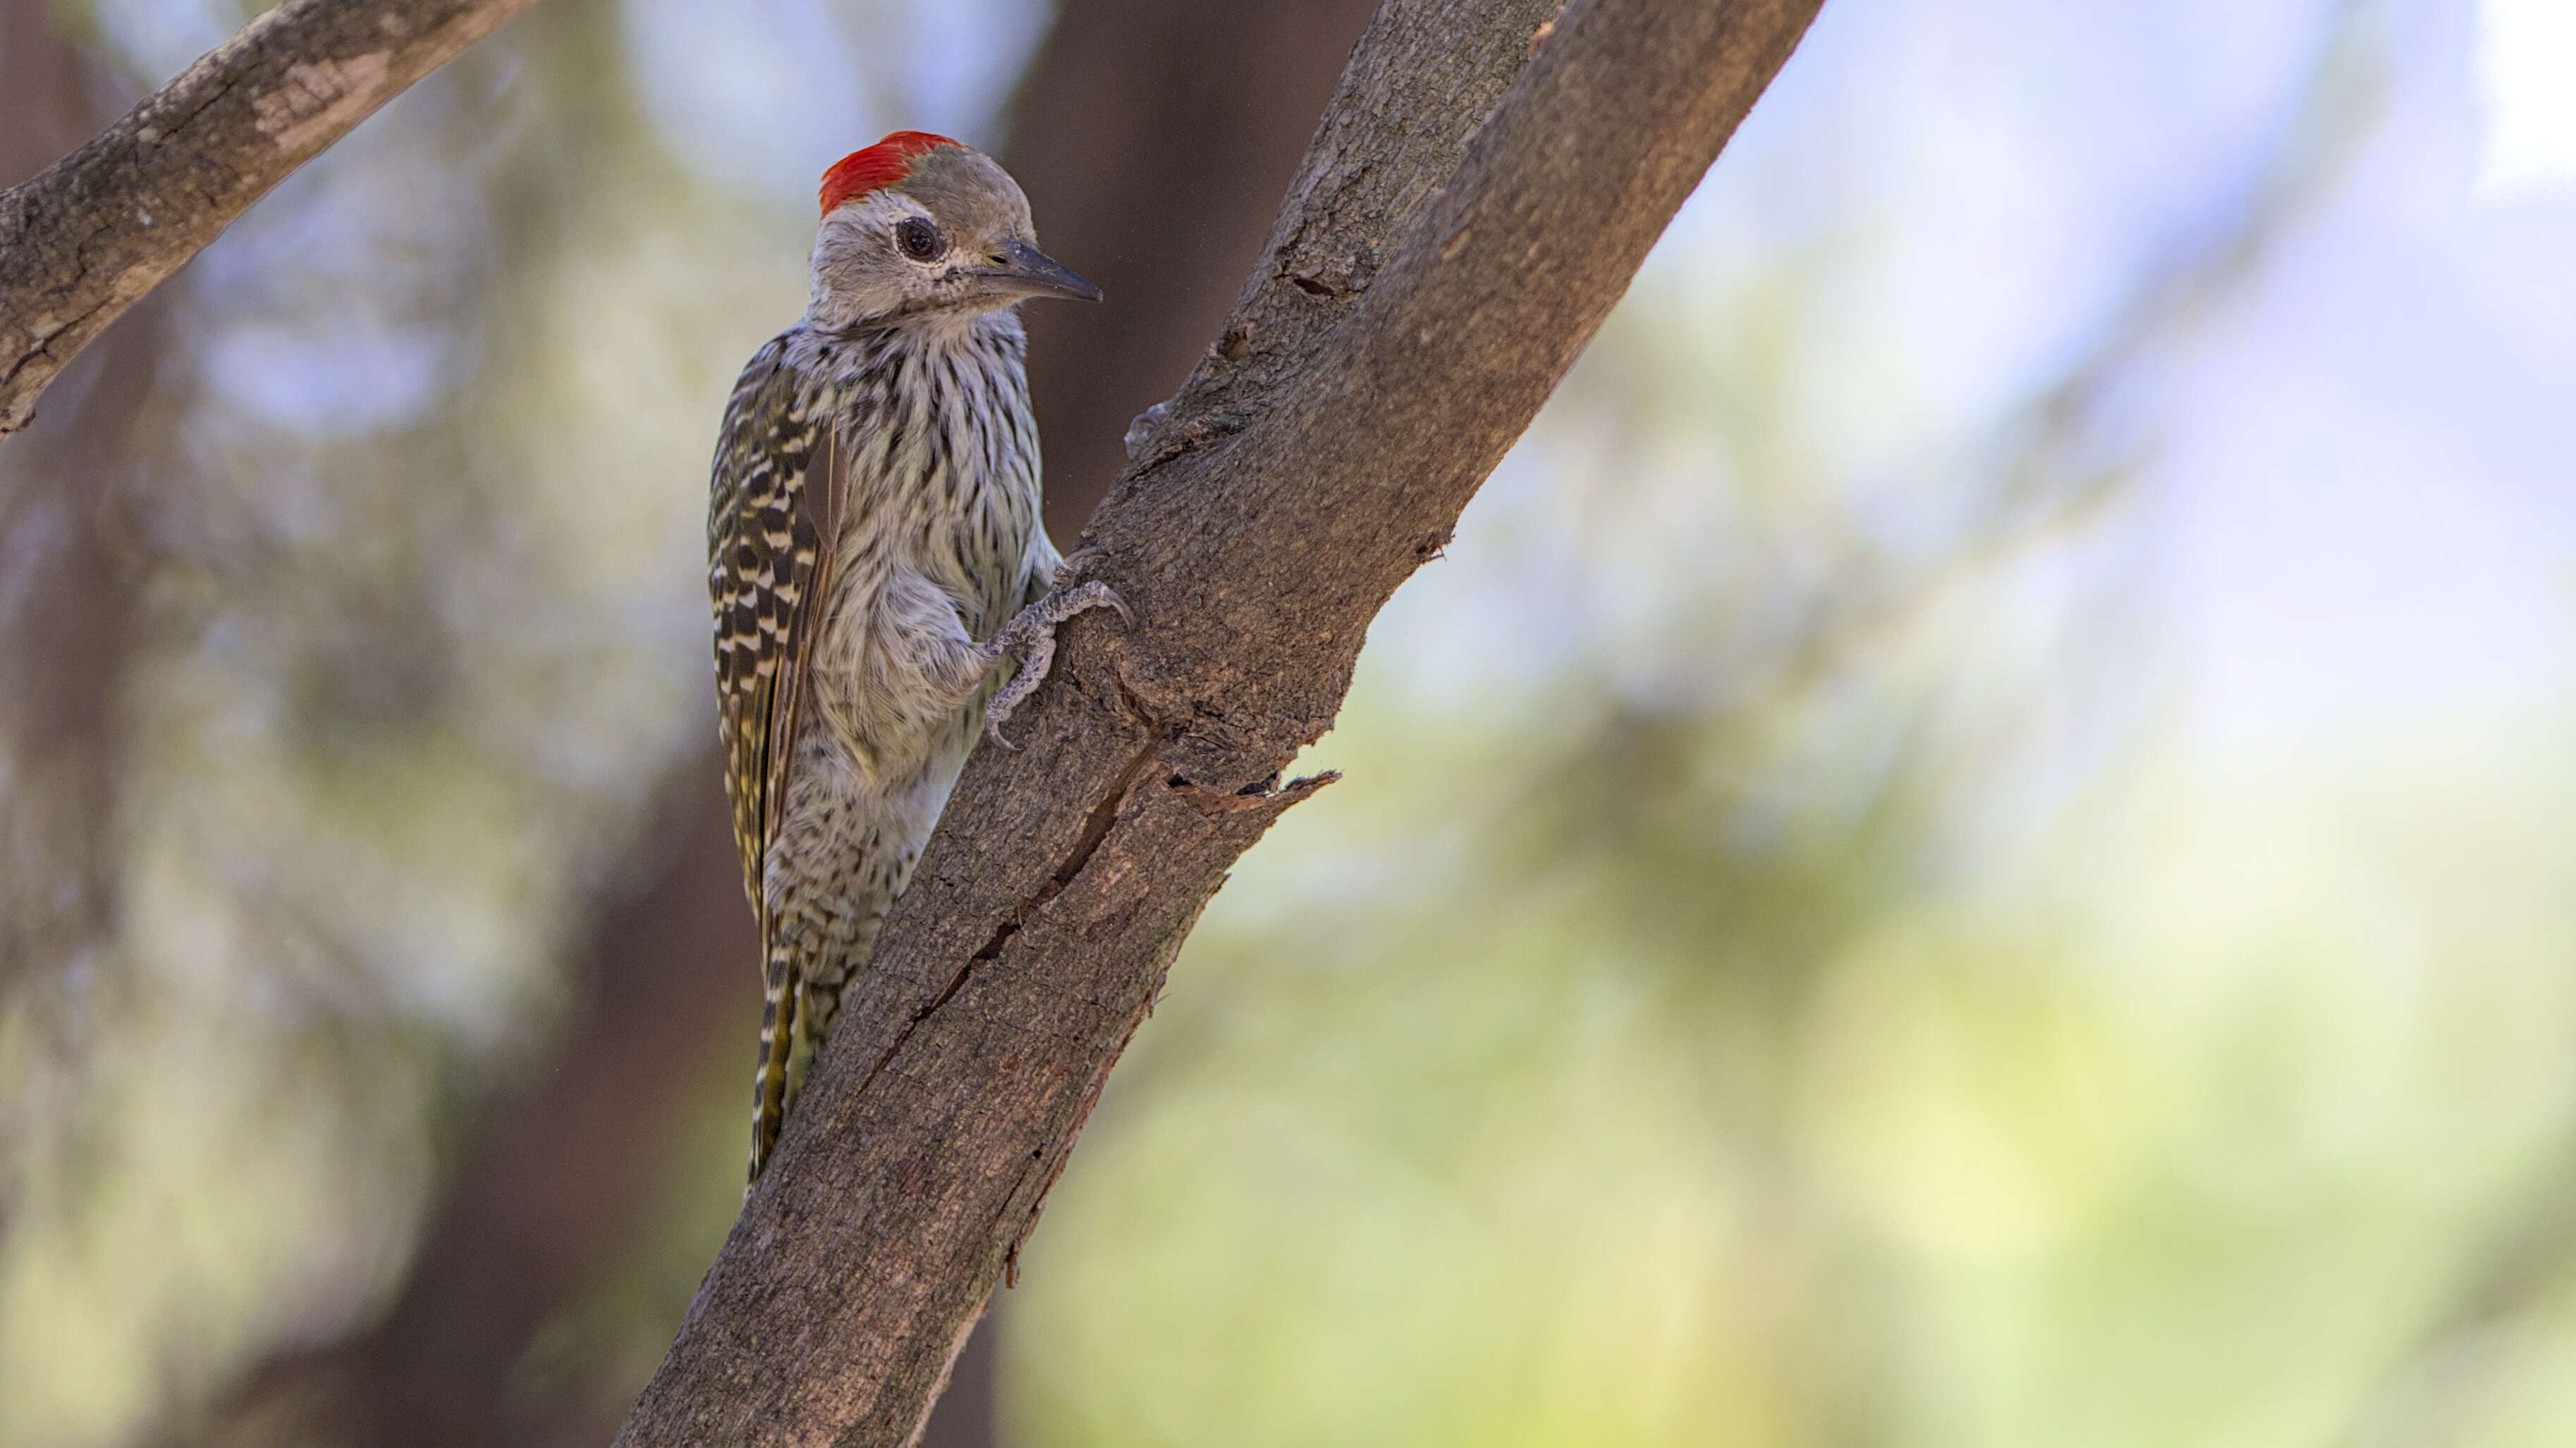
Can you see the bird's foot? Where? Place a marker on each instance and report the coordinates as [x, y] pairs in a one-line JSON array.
[[1030, 638]]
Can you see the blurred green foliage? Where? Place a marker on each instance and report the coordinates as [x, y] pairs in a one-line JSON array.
[[1809, 948]]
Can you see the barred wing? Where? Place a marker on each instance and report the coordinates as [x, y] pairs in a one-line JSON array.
[[773, 518]]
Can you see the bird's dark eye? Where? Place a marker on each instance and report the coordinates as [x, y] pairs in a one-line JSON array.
[[918, 238]]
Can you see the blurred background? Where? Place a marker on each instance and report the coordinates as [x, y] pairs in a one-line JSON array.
[[1974, 844]]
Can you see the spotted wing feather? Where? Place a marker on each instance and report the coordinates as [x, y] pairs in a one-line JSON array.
[[771, 524]]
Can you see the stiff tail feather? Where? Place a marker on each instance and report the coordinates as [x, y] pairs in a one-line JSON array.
[[779, 998]]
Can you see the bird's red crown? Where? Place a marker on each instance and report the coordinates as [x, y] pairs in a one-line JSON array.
[[880, 165]]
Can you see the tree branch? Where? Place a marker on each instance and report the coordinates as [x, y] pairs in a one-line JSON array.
[[108, 223], [1154, 137], [1426, 286]]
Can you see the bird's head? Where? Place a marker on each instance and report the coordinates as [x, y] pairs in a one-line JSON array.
[[921, 224]]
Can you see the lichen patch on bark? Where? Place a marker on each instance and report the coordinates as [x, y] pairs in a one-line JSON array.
[[321, 99]]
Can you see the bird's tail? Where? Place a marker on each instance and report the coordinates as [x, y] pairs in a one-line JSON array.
[[781, 991]]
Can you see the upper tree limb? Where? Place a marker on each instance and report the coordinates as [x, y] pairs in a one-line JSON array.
[[105, 225]]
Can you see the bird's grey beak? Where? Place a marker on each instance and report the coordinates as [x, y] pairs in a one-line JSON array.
[[1021, 270]]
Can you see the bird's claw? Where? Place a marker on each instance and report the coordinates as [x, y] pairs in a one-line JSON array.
[[1070, 567], [1063, 604]]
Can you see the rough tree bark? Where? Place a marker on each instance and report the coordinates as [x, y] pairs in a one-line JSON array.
[[1426, 286], [103, 226], [1153, 138]]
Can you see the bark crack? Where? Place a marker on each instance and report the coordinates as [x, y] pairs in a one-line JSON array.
[[1095, 830]]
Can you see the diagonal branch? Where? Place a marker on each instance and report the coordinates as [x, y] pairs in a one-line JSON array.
[[1464, 219], [108, 223]]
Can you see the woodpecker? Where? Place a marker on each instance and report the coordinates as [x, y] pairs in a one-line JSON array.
[[876, 563]]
